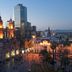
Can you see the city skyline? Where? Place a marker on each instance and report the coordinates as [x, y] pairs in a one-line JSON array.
[[43, 14]]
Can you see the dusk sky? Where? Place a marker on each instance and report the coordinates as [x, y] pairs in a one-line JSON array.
[[56, 14]]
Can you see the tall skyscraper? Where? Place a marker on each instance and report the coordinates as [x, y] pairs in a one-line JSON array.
[[20, 13]]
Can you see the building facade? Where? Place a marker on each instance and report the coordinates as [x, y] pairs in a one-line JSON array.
[[1, 29], [33, 30], [8, 44], [11, 29]]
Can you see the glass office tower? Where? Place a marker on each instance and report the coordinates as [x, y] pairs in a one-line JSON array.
[[20, 15]]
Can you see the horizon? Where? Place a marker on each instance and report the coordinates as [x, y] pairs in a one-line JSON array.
[[54, 14]]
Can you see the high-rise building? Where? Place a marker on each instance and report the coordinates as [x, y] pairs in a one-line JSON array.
[[49, 32], [20, 13], [28, 30], [33, 28]]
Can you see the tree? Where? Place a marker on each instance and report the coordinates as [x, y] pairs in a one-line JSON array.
[[65, 59], [53, 47], [46, 55], [66, 43]]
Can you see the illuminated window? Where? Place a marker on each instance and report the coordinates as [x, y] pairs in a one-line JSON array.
[[1, 25], [10, 26], [1, 35]]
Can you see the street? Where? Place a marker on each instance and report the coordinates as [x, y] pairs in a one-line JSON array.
[[30, 62]]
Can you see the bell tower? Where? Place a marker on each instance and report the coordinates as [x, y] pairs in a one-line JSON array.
[[1, 28], [10, 26]]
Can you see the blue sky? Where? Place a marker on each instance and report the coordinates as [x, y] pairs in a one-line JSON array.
[[56, 14]]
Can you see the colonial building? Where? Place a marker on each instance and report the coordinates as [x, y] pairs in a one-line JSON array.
[[1, 28], [8, 45], [11, 29]]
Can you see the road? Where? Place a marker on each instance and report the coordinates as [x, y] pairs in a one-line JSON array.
[[43, 67], [29, 62], [11, 66], [36, 65]]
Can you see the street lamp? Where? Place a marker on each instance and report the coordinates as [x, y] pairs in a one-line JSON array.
[[17, 52], [33, 36], [7, 55], [22, 51], [12, 53]]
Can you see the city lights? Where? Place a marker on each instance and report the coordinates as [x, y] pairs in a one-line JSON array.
[[1, 35], [7, 55], [10, 26], [1, 26], [41, 43], [17, 52], [13, 53], [45, 42], [33, 36], [10, 29], [26, 48], [22, 51]]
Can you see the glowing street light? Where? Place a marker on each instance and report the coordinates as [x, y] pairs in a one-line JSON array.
[[33, 36], [7, 55], [12, 53], [17, 52], [41, 43], [22, 51]]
